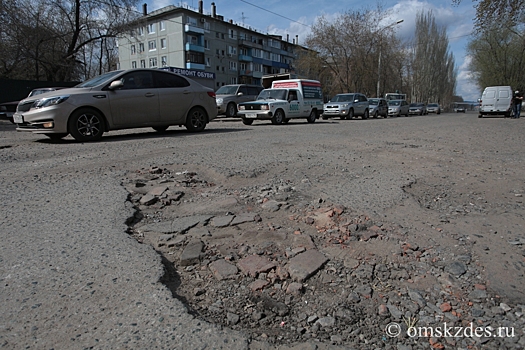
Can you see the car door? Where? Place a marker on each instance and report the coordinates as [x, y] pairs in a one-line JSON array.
[[404, 107], [382, 109], [253, 92], [136, 103], [503, 99], [176, 97], [362, 104], [245, 97], [294, 108]]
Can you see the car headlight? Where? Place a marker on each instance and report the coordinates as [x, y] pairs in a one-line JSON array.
[[344, 105], [265, 107], [50, 101], [219, 101], [241, 107]]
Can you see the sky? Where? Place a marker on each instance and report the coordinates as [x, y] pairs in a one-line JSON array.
[[292, 17]]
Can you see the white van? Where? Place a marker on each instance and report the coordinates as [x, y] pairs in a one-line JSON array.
[[496, 100]]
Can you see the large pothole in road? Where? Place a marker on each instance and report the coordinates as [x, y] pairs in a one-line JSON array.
[[270, 260]]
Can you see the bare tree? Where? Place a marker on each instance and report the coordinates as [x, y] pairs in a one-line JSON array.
[[57, 39], [432, 67], [348, 48]]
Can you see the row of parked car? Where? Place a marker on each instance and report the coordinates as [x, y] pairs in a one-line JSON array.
[[344, 106], [159, 99], [348, 106]]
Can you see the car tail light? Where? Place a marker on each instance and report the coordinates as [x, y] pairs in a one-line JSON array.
[[211, 94]]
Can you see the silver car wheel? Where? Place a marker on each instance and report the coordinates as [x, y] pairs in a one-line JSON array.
[[196, 120], [231, 110], [86, 125]]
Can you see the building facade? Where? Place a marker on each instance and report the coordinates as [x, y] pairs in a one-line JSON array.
[[206, 47]]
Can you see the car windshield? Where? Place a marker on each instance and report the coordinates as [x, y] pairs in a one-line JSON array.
[[373, 101], [276, 94], [394, 103], [227, 90], [432, 105], [98, 79], [342, 98]]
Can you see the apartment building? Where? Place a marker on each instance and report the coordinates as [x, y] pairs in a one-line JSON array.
[[205, 47]]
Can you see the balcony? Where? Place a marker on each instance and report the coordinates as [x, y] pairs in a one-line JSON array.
[[188, 28], [246, 72], [194, 47], [248, 43], [245, 58], [196, 66]]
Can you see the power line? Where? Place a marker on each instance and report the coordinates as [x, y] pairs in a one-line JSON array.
[[306, 25]]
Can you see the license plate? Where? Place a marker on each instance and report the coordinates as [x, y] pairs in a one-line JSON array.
[[18, 118], [251, 115]]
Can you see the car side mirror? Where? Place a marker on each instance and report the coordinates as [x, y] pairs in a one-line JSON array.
[[356, 100], [116, 84], [240, 94]]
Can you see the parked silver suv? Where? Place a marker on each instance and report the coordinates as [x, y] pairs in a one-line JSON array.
[[346, 106], [229, 96]]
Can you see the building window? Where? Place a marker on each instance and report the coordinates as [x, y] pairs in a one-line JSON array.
[[208, 62], [195, 57], [153, 62], [233, 80], [163, 43], [151, 28], [141, 30], [232, 51], [133, 64], [193, 40], [233, 65], [141, 47], [162, 25], [142, 63], [192, 21], [133, 50], [206, 44], [232, 34], [152, 45], [164, 61]]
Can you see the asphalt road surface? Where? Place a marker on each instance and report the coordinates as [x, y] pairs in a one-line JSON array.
[[72, 278]]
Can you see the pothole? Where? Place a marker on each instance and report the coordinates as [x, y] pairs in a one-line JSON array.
[[268, 260]]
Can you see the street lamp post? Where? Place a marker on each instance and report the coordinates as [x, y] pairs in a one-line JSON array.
[[380, 49]]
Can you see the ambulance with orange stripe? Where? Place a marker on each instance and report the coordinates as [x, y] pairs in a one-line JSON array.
[[285, 100]]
